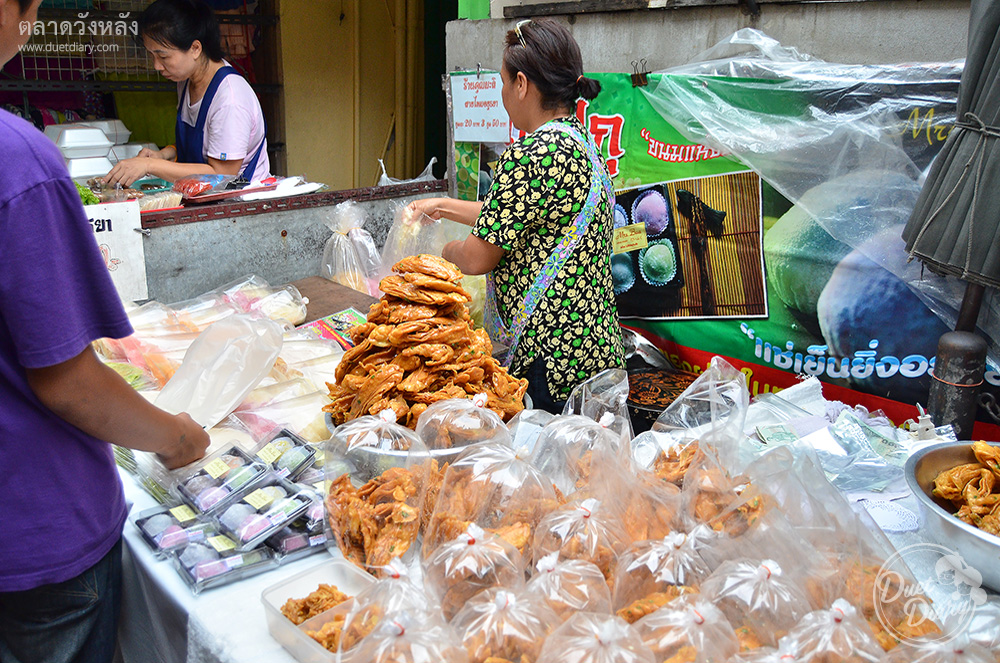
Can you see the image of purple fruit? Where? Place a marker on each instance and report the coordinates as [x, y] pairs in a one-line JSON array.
[[620, 216], [157, 525], [650, 208], [210, 497]]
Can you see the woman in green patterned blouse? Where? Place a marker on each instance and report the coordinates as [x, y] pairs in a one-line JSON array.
[[543, 233]]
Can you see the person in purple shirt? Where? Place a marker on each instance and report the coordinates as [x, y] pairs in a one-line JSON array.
[[61, 502]]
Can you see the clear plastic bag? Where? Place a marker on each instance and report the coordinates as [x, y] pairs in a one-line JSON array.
[[603, 393], [199, 312], [459, 422], [525, 429], [488, 485], [595, 638], [711, 410], [569, 446], [850, 156], [727, 504], [221, 367], [651, 574], [377, 475], [284, 304], [395, 592], [504, 624], [584, 530], [426, 175], [302, 415], [838, 634], [410, 637], [341, 262], [933, 650], [473, 561], [757, 596], [689, 630], [570, 586]]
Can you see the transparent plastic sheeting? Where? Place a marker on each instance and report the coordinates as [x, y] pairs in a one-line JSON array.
[[864, 134]]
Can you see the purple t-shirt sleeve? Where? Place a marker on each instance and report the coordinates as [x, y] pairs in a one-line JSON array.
[[55, 290]]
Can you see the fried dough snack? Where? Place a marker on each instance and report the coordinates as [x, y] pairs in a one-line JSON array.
[[649, 604], [418, 347], [974, 488], [377, 523], [321, 600], [334, 637]]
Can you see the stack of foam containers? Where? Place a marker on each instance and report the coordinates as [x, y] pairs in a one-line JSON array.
[[93, 147]]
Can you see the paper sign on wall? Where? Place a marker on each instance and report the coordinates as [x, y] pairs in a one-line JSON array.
[[115, 226], [479, 114]]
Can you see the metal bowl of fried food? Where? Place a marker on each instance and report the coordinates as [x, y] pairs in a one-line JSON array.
[[979, 549], [371, 462]]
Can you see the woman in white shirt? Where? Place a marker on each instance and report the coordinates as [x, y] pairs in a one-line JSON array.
[[220, 127]]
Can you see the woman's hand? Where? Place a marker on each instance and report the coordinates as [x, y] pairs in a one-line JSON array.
[[429, 210], [425, 210], [128, 171], [150, 154]]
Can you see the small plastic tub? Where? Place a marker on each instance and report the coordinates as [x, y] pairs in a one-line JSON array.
[[347, 577]]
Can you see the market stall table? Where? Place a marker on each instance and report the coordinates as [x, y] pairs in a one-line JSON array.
[[326, 297]]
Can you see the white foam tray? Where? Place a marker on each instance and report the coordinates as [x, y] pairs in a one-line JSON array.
[[81, 142], [87, 167]]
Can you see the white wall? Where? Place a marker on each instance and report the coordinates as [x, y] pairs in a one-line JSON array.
[[880, 31]]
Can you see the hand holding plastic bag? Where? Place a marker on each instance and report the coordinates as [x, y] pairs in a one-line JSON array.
[[221, 367]]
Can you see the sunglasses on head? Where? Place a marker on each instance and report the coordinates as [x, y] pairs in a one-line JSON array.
[[517, 31]]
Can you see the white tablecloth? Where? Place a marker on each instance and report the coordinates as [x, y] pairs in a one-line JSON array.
[[164, 622]]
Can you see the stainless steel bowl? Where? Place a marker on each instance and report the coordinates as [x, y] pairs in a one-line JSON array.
[[979, 549]]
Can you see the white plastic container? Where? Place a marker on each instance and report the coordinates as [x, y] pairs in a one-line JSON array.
[[85, 168], [81, 142], [53, 130], [347, 577], [114, 130]]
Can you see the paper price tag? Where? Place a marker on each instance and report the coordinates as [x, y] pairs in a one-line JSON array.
[[216, 468], [258, 499], [269, 454], [183, 513], [317, 540], [630, 238], [234, 561], [221, 543]]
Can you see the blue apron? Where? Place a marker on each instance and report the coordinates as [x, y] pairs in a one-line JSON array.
[[191, 140]]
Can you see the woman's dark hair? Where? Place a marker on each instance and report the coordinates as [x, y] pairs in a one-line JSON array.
[[179, 23], [545, 51]]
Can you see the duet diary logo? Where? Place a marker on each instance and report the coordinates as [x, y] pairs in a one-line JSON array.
[[939, 570]]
